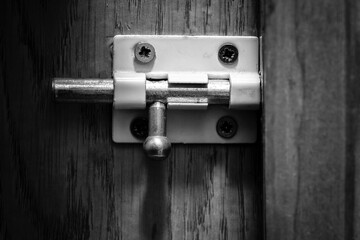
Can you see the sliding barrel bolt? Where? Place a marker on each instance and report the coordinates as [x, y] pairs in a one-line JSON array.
[[144, 52], [157, 146]]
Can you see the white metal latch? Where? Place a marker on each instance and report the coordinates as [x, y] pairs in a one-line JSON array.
[[210, 86]]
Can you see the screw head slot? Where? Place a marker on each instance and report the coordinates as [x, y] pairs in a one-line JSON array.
[[144, 52], [139, 128], [228, 54], [226, 127]]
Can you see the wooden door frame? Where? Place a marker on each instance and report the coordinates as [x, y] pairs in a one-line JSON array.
[[311, 119]]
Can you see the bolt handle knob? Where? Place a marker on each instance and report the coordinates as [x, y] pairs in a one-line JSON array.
[[157, 146]]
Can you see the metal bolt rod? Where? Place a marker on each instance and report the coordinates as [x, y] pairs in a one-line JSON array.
[[102, 91], [83, 90], [216, 92], [157, 119], [157, 146]]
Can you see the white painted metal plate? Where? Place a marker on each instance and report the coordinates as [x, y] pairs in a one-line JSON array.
[[197, 54]]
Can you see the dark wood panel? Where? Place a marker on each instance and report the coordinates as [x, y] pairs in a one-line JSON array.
[[352, 172], [312, 115], [61, 175]]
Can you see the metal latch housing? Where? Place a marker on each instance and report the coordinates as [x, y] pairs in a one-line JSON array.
[[197, 89]]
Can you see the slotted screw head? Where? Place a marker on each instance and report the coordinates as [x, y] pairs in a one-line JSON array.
[[226, 127], [228, 54], [144, 52]]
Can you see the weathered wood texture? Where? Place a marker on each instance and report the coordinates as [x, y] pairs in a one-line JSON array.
[[61, 175], [312, 116]]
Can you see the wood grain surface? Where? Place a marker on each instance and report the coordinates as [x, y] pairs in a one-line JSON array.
[[61, 175], [312, 116]]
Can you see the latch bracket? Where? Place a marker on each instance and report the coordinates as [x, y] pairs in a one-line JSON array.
[[197, 77]]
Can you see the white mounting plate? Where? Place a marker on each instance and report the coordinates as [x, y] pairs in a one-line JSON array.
[[187, 54]]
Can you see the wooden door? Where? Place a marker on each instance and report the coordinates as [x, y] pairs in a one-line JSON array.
[[62, 177]]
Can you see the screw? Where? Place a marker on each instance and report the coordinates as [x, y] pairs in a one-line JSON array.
[[139, 128], [226, 127], [144, 52], [228, 54]]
